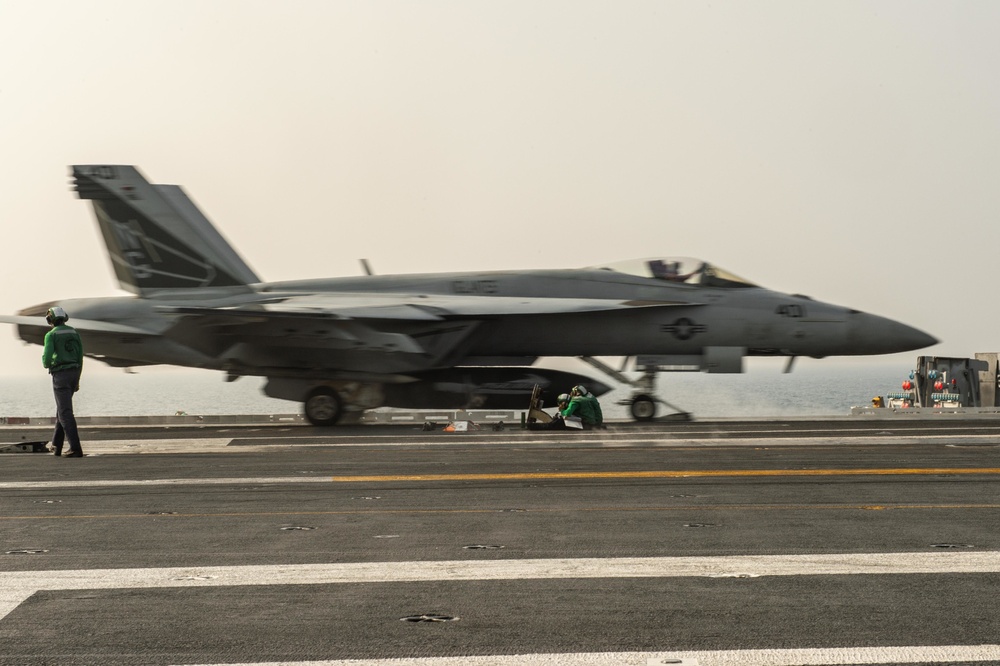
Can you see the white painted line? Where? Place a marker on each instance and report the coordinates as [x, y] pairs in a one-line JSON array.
[[100, 483], [938, 654], [15, 586], [12, 597], [103, 447], [714, 438]]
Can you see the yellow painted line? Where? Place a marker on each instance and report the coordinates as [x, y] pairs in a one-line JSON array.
[[666, 474]]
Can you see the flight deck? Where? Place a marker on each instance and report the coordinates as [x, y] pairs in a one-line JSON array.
[[716, 542]]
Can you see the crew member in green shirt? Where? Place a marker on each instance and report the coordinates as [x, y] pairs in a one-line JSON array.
[[583, 408], [63, 356], [581, 391]]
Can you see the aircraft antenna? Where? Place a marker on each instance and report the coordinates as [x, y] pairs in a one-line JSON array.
[[788, 366]]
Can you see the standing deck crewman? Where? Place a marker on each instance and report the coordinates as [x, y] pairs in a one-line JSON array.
[[63, 356]]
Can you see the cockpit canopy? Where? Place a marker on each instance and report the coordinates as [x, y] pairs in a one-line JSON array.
[[684, 270]]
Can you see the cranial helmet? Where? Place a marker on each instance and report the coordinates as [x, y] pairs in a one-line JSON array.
[[580, 389], [563, 397], [55, 316]]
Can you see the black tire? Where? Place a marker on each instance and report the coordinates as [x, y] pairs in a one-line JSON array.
[[323, 407], [643, 408]]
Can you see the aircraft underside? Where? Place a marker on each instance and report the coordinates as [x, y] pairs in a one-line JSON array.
[[327, 402]]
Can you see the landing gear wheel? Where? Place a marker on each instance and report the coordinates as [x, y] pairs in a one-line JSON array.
[[643, 408], [322, 407]]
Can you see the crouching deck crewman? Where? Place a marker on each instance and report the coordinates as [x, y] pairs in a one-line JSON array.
[[583, 406]]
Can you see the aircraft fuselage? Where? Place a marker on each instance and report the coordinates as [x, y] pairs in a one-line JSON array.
[[666, 319]]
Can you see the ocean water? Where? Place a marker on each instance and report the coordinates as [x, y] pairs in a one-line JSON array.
[[821, 388]]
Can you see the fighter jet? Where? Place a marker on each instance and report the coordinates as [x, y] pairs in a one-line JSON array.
[[344, 345]]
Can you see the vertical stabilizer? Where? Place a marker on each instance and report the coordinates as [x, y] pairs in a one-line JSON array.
[[156, 236]]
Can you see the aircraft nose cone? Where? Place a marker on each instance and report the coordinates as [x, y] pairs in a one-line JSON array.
[[880, 335], [918, 339]]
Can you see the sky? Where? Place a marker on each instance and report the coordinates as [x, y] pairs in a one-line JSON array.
[[845, 150]]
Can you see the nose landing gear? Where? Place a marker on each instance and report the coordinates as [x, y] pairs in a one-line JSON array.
[[642, 407], [642, 402]]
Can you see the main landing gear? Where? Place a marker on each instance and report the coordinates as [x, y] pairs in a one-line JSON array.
[[323, 406]]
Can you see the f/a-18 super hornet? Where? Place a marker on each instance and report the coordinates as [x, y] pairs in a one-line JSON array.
[[343, 345]]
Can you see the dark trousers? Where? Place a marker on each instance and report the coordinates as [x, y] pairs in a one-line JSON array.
[[64, 383]]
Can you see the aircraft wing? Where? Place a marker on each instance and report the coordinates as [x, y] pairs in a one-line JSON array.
[[417, 307], [346, 327]]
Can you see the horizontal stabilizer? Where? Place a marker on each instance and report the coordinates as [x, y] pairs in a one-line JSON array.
[[81, 325], [33, 329]]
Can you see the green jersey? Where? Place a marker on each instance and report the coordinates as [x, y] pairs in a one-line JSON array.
[[63, 349], [583, 408], [598, 414]]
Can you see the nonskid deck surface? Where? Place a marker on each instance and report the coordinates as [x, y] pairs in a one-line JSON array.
[[780, 542]]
